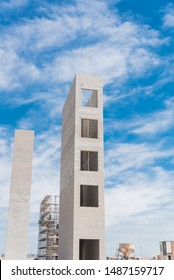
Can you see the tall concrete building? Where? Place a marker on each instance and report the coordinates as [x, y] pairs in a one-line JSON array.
[[81, 233], [17, 232]]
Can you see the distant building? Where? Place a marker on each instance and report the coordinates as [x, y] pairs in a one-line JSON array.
[[125, 251], [48, 228], [19, 201], [167, 250]]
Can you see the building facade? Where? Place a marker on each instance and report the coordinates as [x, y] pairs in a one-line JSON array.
[[167, 250], [81, 235], [18, 216]]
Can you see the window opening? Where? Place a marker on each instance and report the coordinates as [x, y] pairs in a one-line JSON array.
[[89, 161], [89, 128], [88, 249], [89, 196], [89, 98]]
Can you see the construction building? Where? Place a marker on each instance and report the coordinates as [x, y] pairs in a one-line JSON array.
[[125, 251], [48, 228], [18, 215], [167, 250], [81, 235]]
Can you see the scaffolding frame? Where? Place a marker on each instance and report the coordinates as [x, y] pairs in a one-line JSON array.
[[48, 228]]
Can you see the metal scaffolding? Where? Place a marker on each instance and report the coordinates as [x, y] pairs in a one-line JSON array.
[[48, 228]]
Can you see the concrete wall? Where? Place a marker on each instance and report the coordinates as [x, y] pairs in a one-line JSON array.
[[77, 222], [17, 232]]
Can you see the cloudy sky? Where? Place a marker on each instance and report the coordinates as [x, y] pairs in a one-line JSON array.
[[129, 43]]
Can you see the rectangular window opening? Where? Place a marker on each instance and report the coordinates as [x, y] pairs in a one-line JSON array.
[[89, 128], [89, 98], [88, 196], [88, 249], [89, 161]]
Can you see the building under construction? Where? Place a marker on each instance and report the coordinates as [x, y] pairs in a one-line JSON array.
[[48, 228], [125, 251]]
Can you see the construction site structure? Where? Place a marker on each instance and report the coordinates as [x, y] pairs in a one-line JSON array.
[[125, 251], [48, 228]]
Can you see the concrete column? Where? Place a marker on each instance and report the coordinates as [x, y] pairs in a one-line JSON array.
[[18, 216]]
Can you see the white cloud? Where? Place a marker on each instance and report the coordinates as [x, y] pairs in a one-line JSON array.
[[168, 20], [127, 158], [139, 211], [138, 197], [43, 33], [90, 60], [157, 122], [146, 125], [12, 4], [145, 237], [63, 24], [121, 48], [15, 71], [45, 166], [5, 167], [5, 174], [115, 49], [3, 225], [104, 60]]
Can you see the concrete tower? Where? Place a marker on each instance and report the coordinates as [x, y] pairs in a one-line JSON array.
[[17, 232], [81, 234]]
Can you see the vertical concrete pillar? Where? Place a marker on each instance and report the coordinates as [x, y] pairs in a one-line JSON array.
[[18, 216], [81, 234]]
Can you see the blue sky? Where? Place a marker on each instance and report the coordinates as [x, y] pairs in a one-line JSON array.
[[129, 43]]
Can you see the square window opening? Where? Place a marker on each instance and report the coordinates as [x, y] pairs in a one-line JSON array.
[[88, 196], [88, 249], [89, 161], [89, 128], [89, 98]]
